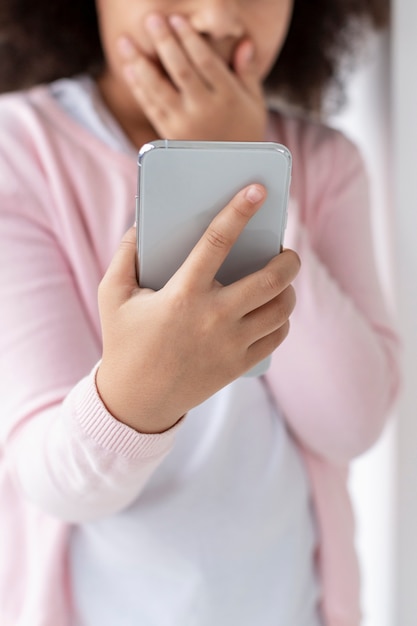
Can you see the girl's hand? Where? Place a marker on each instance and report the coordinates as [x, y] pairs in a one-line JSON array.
[[167, 351], [195, 95]]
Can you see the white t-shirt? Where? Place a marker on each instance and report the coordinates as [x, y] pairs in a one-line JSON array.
[[223, 534]]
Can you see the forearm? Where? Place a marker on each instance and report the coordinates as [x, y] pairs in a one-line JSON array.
[[336, 375], [76, 462]]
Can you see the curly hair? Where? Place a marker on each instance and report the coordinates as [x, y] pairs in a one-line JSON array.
[[42, 40]]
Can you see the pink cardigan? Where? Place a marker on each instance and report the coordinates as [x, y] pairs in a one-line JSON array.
[[65, 200]]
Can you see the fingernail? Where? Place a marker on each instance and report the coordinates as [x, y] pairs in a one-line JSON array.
[[176, 21], [155, 23], [248, 53], [254, 194], [126, 48]]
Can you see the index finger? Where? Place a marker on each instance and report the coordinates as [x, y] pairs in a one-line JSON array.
[[210, 65], [207, 256]]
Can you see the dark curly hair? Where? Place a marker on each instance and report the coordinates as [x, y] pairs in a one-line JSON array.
[[41, 40]]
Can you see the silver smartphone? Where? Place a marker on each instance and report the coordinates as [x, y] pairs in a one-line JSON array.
[[182, 185]]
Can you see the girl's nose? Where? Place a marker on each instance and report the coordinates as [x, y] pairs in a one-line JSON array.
[[218, 19]]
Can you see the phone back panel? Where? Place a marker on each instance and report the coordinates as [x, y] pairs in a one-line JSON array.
[[183, 185]]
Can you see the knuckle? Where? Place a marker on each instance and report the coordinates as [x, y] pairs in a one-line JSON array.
[[284, 331], [179, 296], [127, 244], [272, 281], [285, 303], [284, 269], [280, 334], [281, 313], [217, 239]]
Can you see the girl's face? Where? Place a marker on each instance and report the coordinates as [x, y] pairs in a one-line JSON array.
[[222, 23]]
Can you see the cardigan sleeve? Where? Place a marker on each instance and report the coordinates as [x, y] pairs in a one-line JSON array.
[[337, 373], [66, 453]]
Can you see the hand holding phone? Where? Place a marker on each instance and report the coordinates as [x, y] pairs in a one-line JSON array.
[[151, 372]]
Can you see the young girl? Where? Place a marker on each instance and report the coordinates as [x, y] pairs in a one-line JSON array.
[[144, 481]]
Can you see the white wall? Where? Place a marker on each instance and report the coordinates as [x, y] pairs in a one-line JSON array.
[[367, 121], [383, 120], [404, 106]]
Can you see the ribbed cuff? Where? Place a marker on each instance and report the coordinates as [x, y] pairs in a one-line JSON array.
[[109, 433]]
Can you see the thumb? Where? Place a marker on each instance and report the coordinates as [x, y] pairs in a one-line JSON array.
[[246, 67], [120, 280]]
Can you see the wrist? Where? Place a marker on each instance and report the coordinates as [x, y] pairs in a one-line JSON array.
[[133, 412]]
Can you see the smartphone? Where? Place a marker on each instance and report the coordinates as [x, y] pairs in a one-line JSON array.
[[182, 185]]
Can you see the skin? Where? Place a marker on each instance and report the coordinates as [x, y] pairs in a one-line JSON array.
[[190, 69], [192, 74]]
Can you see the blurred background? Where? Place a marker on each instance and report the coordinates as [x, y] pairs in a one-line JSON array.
[[381, 118]]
